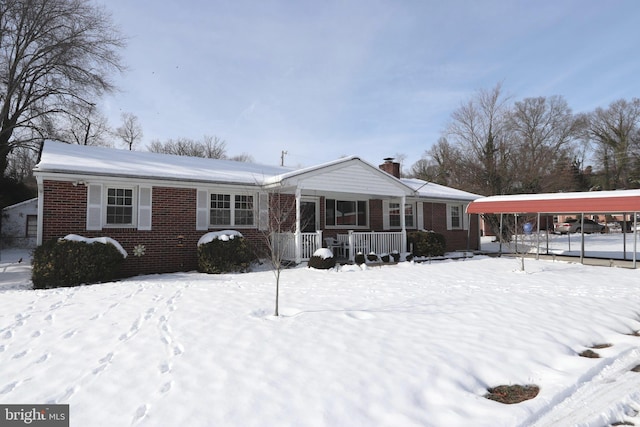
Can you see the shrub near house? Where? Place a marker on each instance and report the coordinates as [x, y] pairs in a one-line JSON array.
[[74, 261], [223, 252], [427, 243]]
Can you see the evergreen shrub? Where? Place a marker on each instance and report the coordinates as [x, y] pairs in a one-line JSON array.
[[321, 263], [65, 263], [225, 256], [427, 243]]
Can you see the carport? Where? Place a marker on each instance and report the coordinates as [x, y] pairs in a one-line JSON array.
[[593, 202]]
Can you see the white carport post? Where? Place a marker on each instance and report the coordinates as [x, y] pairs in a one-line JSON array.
[[635, 237], [403, 223], [581, 238], [298, 233]]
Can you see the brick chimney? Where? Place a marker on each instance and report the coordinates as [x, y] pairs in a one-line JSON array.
[[391, 167]]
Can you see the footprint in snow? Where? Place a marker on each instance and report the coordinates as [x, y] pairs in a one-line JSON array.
[[20, 355], [141, 412], [9, 387], [166, 387], [70, 334], [43, 358]]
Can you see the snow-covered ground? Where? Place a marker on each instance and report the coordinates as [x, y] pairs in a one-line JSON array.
[[403, 345]]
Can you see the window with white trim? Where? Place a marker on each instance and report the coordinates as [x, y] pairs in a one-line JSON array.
[[394, 215], [455, 217], [231, 210], [120, 206], [351, 213]]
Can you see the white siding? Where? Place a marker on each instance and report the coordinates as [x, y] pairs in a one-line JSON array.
[[355, 178]]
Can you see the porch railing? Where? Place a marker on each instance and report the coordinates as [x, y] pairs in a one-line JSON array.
[[285, 244], [355, 241], [372, 241]]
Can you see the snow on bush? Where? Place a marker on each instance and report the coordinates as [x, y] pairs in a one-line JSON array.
[[323, 253], [224, 252], [224, 235], [103, 240], [322, 259]]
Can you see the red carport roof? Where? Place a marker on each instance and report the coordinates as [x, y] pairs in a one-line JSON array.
[[619, 201]]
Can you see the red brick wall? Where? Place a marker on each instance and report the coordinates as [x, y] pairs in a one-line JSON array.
[[435, 219], [170, 246]]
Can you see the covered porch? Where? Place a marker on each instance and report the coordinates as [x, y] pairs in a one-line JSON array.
[[339, 205]]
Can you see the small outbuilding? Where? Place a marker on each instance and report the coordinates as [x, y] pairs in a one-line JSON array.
[[19, 224]]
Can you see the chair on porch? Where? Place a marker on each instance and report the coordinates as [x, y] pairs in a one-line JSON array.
[[335, 246]]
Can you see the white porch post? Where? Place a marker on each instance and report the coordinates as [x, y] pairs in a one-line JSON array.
[[298, 233], [403, 223]]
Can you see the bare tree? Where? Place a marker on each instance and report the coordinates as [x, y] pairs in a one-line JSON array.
[[544, 134], [282, 209], [53, 54], [214, 147], [210, 147], [616, 133], [84, 125], [480, 133], [131, 131]]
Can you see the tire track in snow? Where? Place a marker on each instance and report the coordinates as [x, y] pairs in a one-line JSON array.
[[589, 401]]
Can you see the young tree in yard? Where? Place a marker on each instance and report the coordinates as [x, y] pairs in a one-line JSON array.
[[130, 132], [281, 226], [54, 55]]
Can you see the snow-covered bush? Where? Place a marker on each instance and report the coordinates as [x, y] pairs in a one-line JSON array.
[[427, 243], [372, 257], [75, 260], [359, 258], [322, 259], [224, 252]]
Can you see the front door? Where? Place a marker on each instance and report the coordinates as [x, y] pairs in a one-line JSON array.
[[308, 216]]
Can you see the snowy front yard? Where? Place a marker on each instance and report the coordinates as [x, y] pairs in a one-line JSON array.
[[403, 345]]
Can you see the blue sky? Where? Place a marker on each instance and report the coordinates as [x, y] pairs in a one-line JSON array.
[[324, 79]]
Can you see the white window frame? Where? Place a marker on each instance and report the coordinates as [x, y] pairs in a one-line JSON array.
[[134, 206], [409, 220], [232, 208], [347, 226], [460, 208], [97, 202]]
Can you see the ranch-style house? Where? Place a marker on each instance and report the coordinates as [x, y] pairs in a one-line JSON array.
[[166, 203]]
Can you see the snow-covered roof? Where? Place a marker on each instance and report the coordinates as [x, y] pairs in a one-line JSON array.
[[80, 159], [575, 202], [347, 174], [436, 191]]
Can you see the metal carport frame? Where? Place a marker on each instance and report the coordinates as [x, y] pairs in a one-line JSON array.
[[593, 202]]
